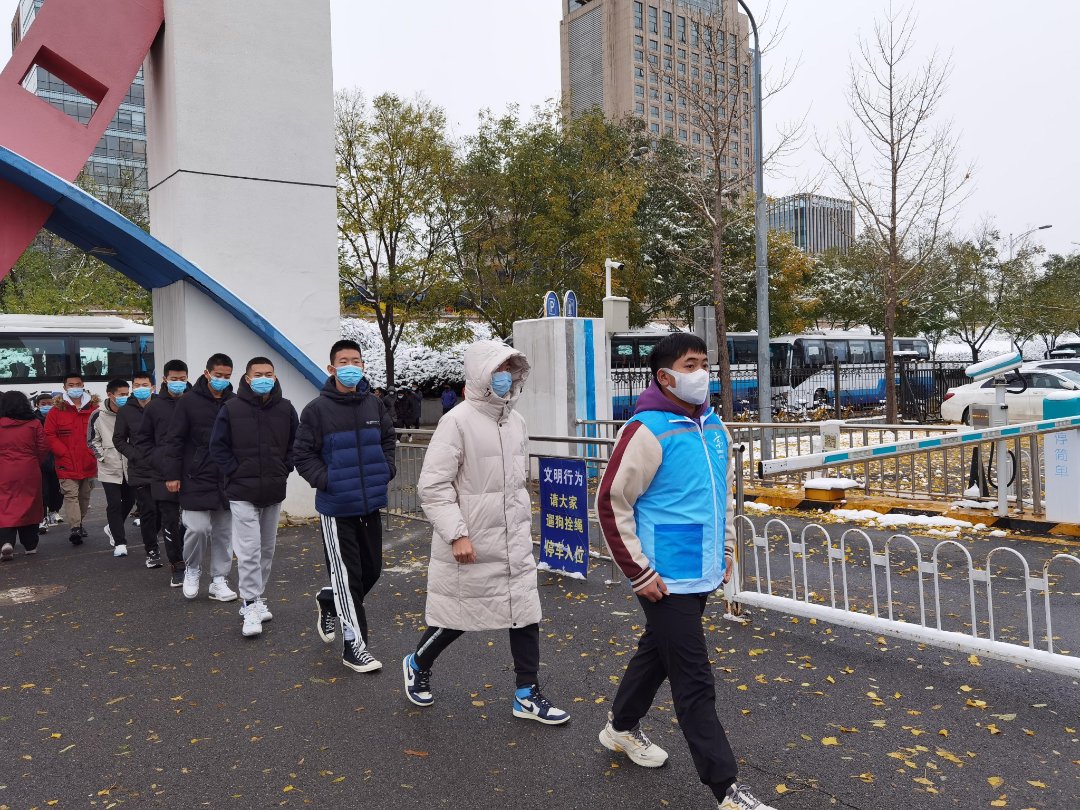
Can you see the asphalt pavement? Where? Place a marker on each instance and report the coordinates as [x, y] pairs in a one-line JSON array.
[[116, 691]]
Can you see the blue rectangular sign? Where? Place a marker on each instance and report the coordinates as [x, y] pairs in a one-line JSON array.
[[564, 516]]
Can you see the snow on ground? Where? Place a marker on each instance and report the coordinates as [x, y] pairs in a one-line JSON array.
[[831, 483], [952, 348], [933, 524], [758, 507]]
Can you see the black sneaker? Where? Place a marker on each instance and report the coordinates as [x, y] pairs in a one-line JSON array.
[[153, 559], [356, 656], [75, 538], [327, 623], [176, 578], [82, 532]]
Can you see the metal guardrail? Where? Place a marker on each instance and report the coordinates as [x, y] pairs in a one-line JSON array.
[[1036, 651]]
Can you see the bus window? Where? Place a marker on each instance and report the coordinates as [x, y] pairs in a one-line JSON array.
[[780, 355], [102, 357], [877, 350], [644, 348], [809, 353], [146, 354], [923, 348], [32, 359], [622, 353], [860, 351], [745, 350], [836, 350], [919, 347]]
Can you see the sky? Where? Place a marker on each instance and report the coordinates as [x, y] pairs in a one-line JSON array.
[[1011, 97]]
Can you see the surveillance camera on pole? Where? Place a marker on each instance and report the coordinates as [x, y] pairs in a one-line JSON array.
[[616, 308]]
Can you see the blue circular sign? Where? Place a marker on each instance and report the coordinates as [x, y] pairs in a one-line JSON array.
[[570, 304], [551, 305]]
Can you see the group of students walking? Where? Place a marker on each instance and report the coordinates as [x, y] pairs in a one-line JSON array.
[[208, 468]]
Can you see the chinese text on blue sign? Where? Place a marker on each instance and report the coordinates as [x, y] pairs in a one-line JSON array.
[[564, 516]]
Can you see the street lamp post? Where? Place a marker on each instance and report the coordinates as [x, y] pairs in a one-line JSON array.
[[761, 251], [1013, 241]]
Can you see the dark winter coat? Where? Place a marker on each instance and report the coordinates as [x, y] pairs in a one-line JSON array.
[[252, 445], [23, 448], [150, 439], [449, 399], [140, 469], [406, 409], [185, 453], [65, 428], [345, 449]]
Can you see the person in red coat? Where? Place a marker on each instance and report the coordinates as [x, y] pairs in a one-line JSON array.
[[66, 429], [22, 450]]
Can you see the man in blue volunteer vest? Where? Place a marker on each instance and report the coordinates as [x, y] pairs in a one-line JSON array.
[[667, 513]]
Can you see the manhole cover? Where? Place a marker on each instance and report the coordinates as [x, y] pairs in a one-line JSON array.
[[30, 593]]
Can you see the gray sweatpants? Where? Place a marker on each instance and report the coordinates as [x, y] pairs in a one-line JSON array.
[[254, 538], [208, 530]]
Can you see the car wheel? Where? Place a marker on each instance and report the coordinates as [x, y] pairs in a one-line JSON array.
[[966, 418]]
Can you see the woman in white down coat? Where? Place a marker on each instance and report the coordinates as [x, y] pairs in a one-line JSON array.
[[472, 488]]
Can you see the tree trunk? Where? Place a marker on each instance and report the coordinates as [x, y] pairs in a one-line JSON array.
[[890, 357], [727, 404]]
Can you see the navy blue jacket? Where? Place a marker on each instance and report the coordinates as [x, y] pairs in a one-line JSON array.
[[345, 449]]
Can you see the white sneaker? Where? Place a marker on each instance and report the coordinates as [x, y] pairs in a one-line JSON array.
[[191, 582], [634, 744], [252, 620], [739, 798], [55, 519], [264, 611], [120, 550], [112, 540], [220, 590]]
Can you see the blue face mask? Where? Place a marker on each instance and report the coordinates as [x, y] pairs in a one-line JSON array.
[[262, 385], [349, 376], [45, 408], [501, 382], [219, 383], [142, 393], [176, 387], [75, 393], [121, 402]]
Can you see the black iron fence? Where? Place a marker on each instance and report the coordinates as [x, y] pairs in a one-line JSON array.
[[823, 392]]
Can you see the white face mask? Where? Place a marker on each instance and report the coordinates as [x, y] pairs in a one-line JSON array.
[[692, 387]]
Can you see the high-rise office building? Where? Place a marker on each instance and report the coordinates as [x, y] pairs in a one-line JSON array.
[[817, 223], [118, 165], [674, 64]]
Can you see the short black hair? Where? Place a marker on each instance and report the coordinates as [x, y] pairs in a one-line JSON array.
[[141, 375], [40, 398], [115, 385], [15, 405], [341, 346], [258, 361], [671, 348], [174, 365], [72, 375], [218, 359]]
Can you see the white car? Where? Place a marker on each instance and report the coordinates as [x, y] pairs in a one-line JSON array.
[[1023, 407]]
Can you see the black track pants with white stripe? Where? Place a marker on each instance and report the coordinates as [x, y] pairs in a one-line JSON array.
[[353, 547]]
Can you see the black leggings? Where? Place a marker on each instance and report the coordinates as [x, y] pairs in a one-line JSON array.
[[27, 535], [524, 646]]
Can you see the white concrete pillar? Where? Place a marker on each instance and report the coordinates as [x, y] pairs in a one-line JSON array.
[[240, 119]]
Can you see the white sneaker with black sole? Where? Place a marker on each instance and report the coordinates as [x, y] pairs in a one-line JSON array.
[[220, 591], [119, 550], [532, 705], [191, 582], [639, 748], [417, 683], [355, 656], [739, 798]]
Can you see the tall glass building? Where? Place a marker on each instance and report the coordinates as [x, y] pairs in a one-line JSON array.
[[817, 223], [118, 165]]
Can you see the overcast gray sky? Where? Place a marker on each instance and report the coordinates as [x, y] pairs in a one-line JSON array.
[[1012, 94]]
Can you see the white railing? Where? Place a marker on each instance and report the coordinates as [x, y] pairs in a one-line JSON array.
[[765, 592]]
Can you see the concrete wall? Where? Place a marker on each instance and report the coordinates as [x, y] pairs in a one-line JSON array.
[[240, 119]]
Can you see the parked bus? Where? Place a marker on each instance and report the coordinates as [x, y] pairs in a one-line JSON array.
[[36, 351]]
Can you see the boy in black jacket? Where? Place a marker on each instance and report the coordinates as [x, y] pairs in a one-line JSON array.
[[147, 442], [345, 448], [140, 472], [252, 445], [193, 475]]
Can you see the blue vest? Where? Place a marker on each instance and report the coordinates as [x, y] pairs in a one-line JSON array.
[[681, 516]]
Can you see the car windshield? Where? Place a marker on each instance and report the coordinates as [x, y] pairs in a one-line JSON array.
[[1070, 375]]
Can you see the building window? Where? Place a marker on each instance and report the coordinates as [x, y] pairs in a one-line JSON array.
[[654, 45], [639, 91], [695, 73], [653, 59], [669, 115], [682, 53], [639, 73], [667, 50], [667, 25], [733, 46], [654, 94], [639, 108], [682, 118], [682, 134], [669, 132], [682, 102], [638, 11], [654, 128], [639, 56], [639, 40], [667, 63], [694, 58], [747, 151], [682, 68], [653, 79], [694, 34], [654, 112], [697, 137], [653, 28], [669, 98], [680, 29]]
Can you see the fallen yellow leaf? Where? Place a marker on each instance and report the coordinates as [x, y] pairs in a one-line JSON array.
[[830, 741]]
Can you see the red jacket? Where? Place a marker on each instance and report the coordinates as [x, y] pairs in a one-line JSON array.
[[66, 430], [22, 449]]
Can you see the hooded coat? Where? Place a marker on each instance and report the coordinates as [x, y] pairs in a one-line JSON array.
[[65, 428], [100, 432], [23, 448], [473, 484]]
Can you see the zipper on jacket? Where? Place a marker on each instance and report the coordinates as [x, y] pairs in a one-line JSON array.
[[712, 479], [360, 457], [506, 526]]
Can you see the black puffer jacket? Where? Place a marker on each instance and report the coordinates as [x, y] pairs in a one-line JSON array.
[[252, 445], [150, 437], [185, 453], [140, 469]]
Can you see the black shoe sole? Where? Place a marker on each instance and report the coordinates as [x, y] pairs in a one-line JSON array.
[[75, 540]]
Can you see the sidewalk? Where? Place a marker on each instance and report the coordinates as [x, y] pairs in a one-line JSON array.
[[118, 692]]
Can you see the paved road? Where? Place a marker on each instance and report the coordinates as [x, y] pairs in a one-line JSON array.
[[118, 692]]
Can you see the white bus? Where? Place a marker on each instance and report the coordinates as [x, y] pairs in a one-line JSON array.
[[36, 351]]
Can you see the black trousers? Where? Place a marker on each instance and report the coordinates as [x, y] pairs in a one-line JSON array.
[[50, 489], [148, 517], [119, 498], [27, 535], [172, 531], [524, 646], [673, 647], [353, 547]]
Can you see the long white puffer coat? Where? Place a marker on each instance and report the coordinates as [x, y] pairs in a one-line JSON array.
[[473, 483]]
